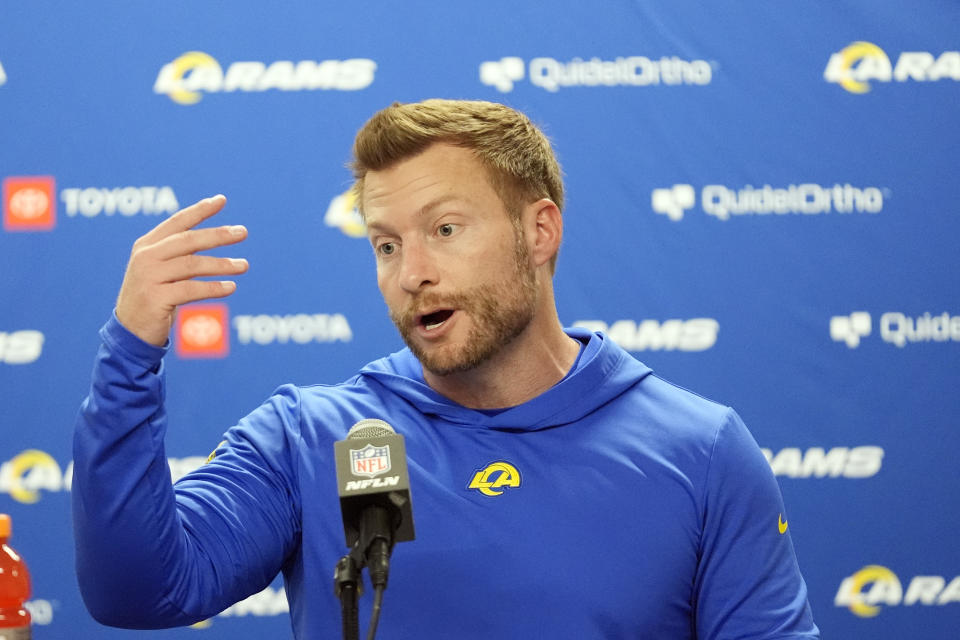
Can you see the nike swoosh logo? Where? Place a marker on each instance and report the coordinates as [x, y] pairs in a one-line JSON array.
[[781, 524]]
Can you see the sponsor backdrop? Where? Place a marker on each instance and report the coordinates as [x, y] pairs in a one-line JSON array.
[[762, 207]]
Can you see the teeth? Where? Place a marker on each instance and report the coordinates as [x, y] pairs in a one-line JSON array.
[[434, 325]]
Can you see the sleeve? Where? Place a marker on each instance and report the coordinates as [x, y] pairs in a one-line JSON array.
[[748, 584], [150, 554]]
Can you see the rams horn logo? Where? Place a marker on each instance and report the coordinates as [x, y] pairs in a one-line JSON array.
[[495, 475]]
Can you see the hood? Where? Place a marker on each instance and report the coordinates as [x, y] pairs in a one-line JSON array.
[[605, 371]]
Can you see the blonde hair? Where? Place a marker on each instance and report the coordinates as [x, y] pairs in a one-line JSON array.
[[518, 157]]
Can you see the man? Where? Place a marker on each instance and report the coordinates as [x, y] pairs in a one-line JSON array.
[[560, 489]]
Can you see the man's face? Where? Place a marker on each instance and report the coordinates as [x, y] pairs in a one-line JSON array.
[[452, 265]]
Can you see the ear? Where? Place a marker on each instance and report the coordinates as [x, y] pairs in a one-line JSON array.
[[543, 230]]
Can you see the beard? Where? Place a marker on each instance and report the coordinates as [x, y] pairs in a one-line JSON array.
[[500, 312]]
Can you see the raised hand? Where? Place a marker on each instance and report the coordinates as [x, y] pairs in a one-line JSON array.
[[163, 265]]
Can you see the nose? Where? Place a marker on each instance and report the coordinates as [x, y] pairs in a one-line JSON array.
[[418, 268]]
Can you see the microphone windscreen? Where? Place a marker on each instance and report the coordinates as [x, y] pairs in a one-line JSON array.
[[370, 428]]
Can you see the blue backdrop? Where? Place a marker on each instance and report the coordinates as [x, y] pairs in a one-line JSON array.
[[762, 206]]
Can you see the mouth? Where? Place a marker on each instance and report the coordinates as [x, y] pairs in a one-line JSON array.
[[434, 320]]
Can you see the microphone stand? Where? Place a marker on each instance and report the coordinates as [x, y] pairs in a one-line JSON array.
[[372, 549], [347, 585]]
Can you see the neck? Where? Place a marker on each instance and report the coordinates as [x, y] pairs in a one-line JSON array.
[[530, 364]]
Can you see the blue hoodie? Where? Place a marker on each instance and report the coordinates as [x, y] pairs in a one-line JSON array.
[[613, 505]]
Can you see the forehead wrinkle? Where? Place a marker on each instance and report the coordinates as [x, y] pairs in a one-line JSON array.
[[445, 170], [378, 193]]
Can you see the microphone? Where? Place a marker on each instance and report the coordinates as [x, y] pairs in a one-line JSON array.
[[374, 488]]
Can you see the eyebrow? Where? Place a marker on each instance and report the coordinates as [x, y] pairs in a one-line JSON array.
[[425, 209], [441, 200]]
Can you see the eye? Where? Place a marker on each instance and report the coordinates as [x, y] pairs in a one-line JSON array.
[[446, 230], [386, 249]]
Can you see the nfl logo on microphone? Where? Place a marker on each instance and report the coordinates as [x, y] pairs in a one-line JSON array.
[[370, 461]]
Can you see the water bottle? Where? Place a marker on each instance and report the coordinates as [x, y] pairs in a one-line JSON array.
[[14, 588]]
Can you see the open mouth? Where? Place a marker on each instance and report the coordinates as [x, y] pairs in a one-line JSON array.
[[430, 321]]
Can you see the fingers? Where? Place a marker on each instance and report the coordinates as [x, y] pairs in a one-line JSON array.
[[184, 219], [193, 266], [164, 264], [193, 290], [191, 241], [157, 258]]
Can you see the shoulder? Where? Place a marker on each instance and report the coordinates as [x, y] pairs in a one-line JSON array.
[[678, 413], [682, 401], [332, 409]]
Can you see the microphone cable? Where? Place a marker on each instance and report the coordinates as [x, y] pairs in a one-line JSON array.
[[348, 585], [375, 614], [371, 550]]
